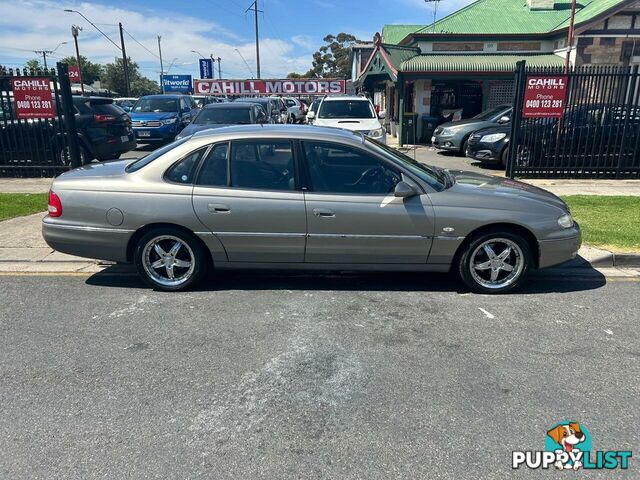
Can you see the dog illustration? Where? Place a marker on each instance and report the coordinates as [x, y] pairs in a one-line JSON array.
[[567, 436]]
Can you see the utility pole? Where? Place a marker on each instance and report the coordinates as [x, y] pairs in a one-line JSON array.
[[570, 35], [75, 30], [125, 63], [161, 67], [44, 55], [219, 69], [255, 16]]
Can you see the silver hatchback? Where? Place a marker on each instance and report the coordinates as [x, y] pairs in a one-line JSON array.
[[304, 198]]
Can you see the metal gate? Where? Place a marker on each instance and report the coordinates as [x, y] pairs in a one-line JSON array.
[[597, 134], [38, 147]]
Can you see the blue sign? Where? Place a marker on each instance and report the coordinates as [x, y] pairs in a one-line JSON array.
[[206, 68], [177, 83]]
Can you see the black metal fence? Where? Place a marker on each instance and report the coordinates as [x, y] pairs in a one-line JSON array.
[[37, 147], [597, 135]]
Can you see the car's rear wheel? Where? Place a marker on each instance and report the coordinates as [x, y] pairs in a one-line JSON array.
[[64, 155], [496, 262], [170, 259]]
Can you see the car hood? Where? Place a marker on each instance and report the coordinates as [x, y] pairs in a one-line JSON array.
[[468, 124], [504, 128], [478, 183], [142, 117], [349, 123]]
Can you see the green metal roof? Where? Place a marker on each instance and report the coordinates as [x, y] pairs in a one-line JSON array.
[[393, 34], [476, 63], [515, 17]]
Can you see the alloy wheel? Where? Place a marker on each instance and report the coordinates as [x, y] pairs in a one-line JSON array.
[[168, 260], [497, 263]]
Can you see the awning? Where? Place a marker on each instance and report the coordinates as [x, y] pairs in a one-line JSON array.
[[479, 63], [385, 61]]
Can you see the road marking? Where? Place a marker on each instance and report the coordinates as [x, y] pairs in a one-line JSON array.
[[608, 332], [488, 314]]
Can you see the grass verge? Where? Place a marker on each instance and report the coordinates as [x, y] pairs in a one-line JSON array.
[[608, 222], [19, 204]]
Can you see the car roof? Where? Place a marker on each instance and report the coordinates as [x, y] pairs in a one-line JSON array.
[[253, 100], [346, 97], [280, 131], [227, 105], [164, 96]]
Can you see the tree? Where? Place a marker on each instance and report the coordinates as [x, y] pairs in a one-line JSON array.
[[33, 64], [332, 60], [113, 79], [89, 71], [294, 75]]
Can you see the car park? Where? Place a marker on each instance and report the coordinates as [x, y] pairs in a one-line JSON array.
[[490, 145], [159, 118], [217, 115], [304, 198], [452, 136], [268, 104], [125, 103], [354, 113]]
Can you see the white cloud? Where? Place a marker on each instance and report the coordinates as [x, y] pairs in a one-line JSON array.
[[42, 24]]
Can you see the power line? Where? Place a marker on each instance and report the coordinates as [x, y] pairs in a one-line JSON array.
[[135, 40]]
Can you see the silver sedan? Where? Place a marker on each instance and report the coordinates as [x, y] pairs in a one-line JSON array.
[[304, 198]]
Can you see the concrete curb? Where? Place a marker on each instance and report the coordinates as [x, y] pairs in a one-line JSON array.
[[597, 257]]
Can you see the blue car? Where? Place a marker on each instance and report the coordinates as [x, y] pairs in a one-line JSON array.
[[159, 118]]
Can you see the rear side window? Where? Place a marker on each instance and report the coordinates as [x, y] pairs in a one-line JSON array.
[[184, 170]]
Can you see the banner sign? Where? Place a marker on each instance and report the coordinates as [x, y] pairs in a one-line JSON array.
[[74, 74], [544, 97], [33, 98], [206, 68], [298, 86], [177, 83]]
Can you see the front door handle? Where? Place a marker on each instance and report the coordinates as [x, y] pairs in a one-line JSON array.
[[218, 208], [323, 213]]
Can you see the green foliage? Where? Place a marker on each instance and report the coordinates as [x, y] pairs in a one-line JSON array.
[[331, 60], [33, 64], [90, 71], [113, 79]]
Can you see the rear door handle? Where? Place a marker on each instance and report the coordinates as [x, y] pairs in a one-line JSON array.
[[323, 212], [218, 208]]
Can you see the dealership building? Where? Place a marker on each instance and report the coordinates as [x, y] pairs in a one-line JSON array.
[[464, 63]]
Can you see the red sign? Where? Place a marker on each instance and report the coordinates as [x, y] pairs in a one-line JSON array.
[[544, 97], [74, 74], [298, 86], [33, 98]]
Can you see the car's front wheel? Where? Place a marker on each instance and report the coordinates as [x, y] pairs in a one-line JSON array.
[[496, 262], [171, 260]]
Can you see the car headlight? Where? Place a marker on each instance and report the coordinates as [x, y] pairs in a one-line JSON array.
[[376, 133], [566, 221], [494, 137], [169, 121], [447, 132]]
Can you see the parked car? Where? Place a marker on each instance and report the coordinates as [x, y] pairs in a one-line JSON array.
[[280, 106], [271, 107], [296, 109], [490, 145], [218, 115], [452, 136], [202, 100], [313, 108], [159, 118], [304, 197], [351, 113], [125, 103]]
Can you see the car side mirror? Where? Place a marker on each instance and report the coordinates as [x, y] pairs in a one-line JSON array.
[[311, 115], [382, 115], [404, 190], [504, 119]]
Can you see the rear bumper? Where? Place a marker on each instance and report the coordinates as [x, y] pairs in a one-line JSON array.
[[109, 149], [90, 242], [554, 252]]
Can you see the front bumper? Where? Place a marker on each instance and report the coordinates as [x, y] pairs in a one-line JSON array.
[[164, 133], [450, 143], [554, 252], [483, 153]]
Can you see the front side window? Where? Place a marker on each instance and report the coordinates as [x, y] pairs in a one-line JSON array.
[[263, 164], [341, 169], [346, 109], [183, 171]]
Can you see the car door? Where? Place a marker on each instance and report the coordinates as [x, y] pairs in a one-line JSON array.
[[246, 195], [352, 213]]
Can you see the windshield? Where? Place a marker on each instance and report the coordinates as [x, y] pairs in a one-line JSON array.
[[489, 114], [147, 159], [434, 178], [156, 105], [224, 116], [346, 109], [199, 101], [314, 105]]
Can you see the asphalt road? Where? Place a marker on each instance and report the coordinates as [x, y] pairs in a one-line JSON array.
[[297, 376]]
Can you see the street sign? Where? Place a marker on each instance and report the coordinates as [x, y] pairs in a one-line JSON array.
[[177, 83], [206, 68], [33, 97], [298, 86], [74, 74], [544, 96]]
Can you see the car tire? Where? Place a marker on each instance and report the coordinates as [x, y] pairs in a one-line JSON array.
[[494, 270], [84, 156], [165, 252], [504, 157], [463, 149]]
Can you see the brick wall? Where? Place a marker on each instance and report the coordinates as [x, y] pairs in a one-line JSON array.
[[604, 51]]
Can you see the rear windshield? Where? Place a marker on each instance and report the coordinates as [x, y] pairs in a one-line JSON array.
[[106, 109], [346, 109], [156, 105], [147, 159], [225, 116]]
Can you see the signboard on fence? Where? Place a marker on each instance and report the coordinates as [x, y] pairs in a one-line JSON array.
[[177, 83], [544, 96], [206, 68], [33, 97], [74, 74], [298, 86]]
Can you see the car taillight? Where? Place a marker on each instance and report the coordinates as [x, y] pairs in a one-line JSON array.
[[104, 118], [55, 205]]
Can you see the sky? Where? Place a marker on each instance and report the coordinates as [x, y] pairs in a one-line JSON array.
[[290, 30]]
